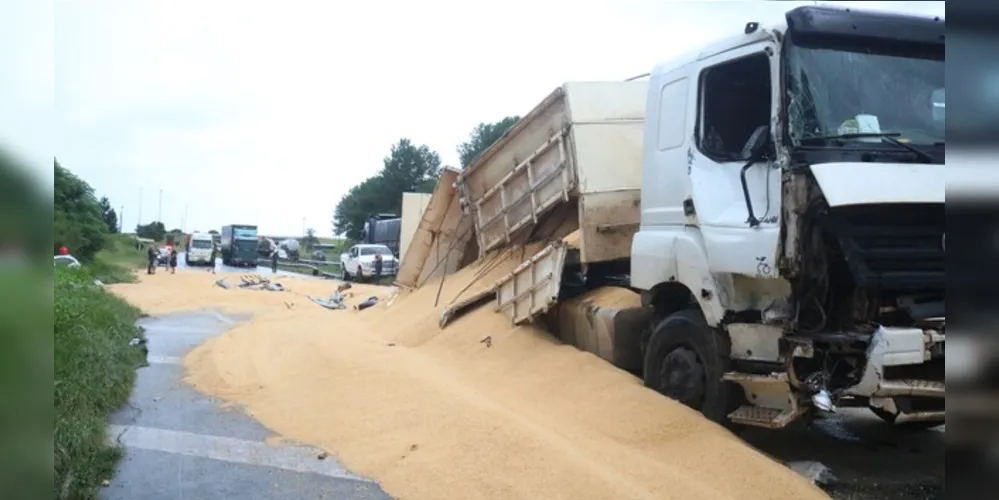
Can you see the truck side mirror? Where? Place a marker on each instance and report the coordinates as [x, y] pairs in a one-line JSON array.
[[756, 146]]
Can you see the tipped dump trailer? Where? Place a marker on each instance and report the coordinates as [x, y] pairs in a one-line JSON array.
[[574, 163]]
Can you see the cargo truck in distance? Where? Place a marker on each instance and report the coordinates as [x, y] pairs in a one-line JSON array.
[[383, 229], [239, 245], [776, 198]]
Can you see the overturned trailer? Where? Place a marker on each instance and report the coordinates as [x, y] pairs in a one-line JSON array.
[[570, 169]]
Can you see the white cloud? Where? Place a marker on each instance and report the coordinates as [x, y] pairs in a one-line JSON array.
[[266, 112]]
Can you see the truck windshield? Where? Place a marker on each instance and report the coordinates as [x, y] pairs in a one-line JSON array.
[[242, 233], [201, 244], [832, 92]]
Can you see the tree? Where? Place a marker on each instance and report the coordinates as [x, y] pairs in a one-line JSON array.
[[78, 222], [109, 215], [155, 231], [213, 231], [310, 239], [483, 136], [407, 168], [174, 236]]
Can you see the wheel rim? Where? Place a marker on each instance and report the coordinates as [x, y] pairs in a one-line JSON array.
[[681, 377]]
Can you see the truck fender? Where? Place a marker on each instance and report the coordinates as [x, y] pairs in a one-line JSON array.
[[676, 255]]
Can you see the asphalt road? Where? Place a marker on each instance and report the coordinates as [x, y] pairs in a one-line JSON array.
[[181, 444], [871, 460], [221, 269]]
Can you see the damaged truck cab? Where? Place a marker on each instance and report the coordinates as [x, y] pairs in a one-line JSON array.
[[791, 240]]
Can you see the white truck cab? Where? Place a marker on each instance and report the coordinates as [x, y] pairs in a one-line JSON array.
[[199, 250], [793, 189]]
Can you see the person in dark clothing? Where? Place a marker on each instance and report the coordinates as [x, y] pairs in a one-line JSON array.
[[173, 261], [211, 260], [274, 261], [378, 267], [151, 255]]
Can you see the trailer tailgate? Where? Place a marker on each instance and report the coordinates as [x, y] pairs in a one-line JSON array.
[[532, 288]]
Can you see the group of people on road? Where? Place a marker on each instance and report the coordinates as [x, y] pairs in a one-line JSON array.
[[152, 255]]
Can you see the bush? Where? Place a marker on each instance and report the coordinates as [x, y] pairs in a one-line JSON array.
[[94, 374]]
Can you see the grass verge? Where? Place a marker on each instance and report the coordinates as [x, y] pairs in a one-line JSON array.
[[94, 374], [118, 261]]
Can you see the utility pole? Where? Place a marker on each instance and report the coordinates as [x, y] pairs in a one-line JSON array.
[[159, 215], [121, 219]]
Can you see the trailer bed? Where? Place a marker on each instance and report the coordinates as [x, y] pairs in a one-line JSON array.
[[577, 155]]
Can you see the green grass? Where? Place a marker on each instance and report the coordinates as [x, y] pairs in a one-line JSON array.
[[94, 374], [117, 262]]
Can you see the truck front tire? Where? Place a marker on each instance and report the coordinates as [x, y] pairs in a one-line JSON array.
[[685, 360]]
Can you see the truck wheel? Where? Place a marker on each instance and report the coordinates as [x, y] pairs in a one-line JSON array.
[[685, 360], [917, 426]]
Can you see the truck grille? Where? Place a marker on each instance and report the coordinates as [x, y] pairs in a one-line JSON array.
[[892, 246]]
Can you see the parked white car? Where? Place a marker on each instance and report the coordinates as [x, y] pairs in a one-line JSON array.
[[359, 261], [66, 260]]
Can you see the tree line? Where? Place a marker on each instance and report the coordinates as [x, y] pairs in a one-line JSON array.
[[407, 168], [81, 221]]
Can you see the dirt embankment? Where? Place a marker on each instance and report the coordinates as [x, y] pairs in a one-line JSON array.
[[435, 414]]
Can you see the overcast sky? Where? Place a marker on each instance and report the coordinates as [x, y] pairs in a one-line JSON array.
[[268, 112]]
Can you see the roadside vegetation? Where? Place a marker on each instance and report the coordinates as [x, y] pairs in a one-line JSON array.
[[95, 362], [95, 357]]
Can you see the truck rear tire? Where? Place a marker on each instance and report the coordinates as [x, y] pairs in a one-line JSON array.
[[685, 360]]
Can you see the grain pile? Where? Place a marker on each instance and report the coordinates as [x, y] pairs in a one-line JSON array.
[[438, 414]]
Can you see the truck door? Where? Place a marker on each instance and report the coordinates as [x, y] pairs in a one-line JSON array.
[[737, 94]]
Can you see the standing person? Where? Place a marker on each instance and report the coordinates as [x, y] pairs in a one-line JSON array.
[[274, 261], [173, 261], [378, 267], [151, 255], [211, 260]]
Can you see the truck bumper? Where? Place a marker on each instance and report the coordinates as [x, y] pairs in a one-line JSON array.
[[899, 347], [777, 399]]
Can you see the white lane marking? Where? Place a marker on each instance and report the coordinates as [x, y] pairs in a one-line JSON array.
[[163, 360], [293, 458], [182, 330], [222, 318]]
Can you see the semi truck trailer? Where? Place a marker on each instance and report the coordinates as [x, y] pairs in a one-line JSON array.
[[383, 229], [775, 201], [239, 245]]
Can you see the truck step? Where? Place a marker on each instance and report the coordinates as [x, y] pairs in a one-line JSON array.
[[768, 418]]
